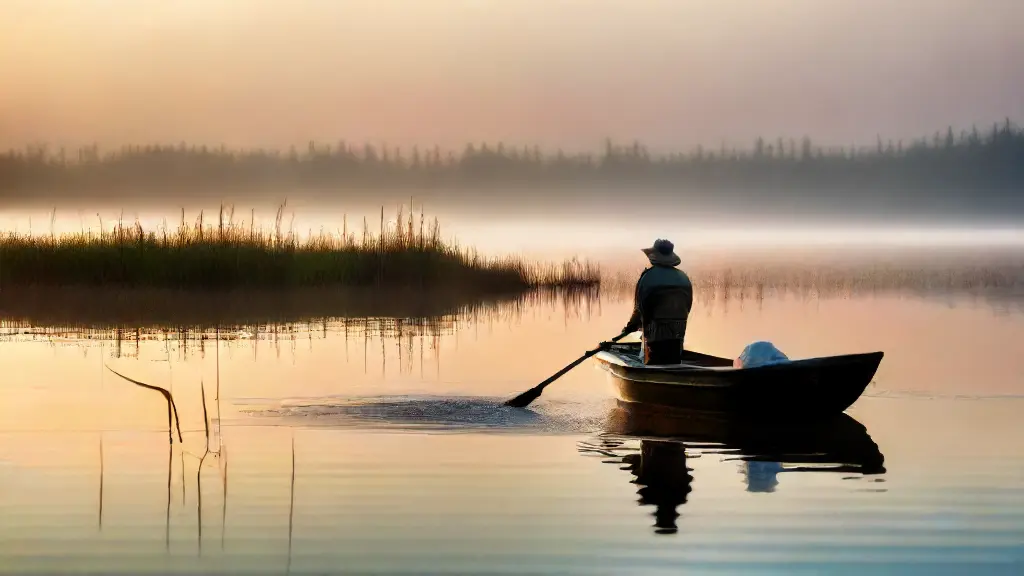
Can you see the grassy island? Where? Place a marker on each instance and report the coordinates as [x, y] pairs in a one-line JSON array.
[[226, 254]]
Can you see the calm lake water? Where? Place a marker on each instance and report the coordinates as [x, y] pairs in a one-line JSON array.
[[376, 446]]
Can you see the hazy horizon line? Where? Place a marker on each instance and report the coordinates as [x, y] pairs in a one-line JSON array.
[[959, 132]]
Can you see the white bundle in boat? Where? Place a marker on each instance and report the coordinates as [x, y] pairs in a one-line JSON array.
[[759, 354]]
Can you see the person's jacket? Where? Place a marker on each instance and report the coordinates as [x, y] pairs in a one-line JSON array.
[[661, 303]]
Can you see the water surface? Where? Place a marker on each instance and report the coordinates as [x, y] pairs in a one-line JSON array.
[[379, 444]]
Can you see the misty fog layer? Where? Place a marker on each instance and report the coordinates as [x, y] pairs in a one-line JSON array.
[[971, 175]]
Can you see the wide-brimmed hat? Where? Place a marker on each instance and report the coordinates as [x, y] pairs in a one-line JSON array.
[[662, 253]]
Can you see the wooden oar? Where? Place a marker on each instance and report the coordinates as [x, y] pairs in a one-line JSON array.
[[532, 394]]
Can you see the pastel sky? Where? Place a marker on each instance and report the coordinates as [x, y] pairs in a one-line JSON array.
[[569, 73]]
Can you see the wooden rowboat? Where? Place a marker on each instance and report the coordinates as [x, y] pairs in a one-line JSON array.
[[815, 387]]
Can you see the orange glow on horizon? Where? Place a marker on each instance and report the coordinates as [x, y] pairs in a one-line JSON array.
[[673, 73]]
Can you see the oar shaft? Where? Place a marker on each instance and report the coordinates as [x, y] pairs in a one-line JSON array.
[[575, 363], [530, 395]]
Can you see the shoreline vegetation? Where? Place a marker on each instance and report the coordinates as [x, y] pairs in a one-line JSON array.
[[967, 159], [996, 280], [228, 254]]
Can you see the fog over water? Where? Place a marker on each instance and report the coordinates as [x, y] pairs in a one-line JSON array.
[[610, 238]]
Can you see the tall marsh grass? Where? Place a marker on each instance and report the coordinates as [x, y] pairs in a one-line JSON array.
[[994, 279], [406, 253]]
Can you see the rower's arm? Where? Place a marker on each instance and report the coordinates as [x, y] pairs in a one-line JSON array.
[[634, 321]]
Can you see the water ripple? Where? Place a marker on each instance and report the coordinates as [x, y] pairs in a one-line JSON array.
[[431, 414]]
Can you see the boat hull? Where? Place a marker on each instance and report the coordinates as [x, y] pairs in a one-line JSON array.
[[812, 388]]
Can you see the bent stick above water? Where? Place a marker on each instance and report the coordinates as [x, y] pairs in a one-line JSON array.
[[167, 396]]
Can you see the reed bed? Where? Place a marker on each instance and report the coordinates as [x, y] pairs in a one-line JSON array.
[[1005, 279], [869, 278], [228, 254]]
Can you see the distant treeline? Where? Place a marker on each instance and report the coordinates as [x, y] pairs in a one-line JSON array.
[[975, 159]]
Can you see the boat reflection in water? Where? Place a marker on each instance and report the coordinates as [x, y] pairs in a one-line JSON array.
[[838, 444]]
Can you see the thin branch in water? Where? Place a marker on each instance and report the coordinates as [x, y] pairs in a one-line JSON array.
[[224, 504], [199, 471], [220, 438], [182, 454], [167, 521], [291, 509], [167, 396], [100, 514], [199, 501], [206, 417]]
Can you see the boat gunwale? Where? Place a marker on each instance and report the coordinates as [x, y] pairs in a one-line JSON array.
[[609, 359]]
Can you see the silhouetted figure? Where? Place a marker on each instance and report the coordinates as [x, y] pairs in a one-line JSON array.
[[660, 470], [661, 305]]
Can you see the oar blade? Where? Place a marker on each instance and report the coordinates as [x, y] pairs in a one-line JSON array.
[[526, 398]]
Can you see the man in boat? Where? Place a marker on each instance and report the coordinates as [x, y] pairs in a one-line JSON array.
[[661, 305]]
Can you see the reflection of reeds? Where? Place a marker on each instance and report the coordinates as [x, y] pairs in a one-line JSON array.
[[171, 406], [234, 254], [160, 308], [575, 303]]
